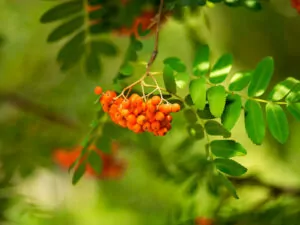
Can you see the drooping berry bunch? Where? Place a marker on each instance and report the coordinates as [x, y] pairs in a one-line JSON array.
[[137, 114]]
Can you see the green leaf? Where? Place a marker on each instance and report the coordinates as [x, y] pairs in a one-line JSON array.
[[175, 63], [232, 111], [104, 47], [197, 90], [221, 69], [95, 162], [282, 89], [169, 79], [227, 183], [62, 11], [190, 116], [182, 79], [196, 131], [254, 122], [143, 32], [93, 65], [230, 167], [239, 81], [253, 4], [104, 143], [201, 61], [216, 97], [294, 95], [294, 109], [227, 148], [79, 172], [205, 113], [261, 77], [214, 128], [126, 69], [188, 100], [66, 29], [277, 122]]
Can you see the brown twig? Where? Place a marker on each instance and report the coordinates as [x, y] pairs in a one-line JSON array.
[[29, 106]]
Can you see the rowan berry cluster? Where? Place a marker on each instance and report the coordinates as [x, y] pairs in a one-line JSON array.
[[136, 114]]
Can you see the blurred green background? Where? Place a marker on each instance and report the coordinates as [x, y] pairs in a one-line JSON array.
[[42, 109]]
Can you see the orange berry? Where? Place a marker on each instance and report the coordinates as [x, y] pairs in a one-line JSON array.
[[151, 108], [169, 118], [125, 104], [125, 112], [98, 90], [162, 132], [122, 123], [105, 107], [110, 94], [165, 108], [155, 100], [175, 107], [147, 127], [137, 128], [159, 116], [141, 119], [155, 126], [131, 118]]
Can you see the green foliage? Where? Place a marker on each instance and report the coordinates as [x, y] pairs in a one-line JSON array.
[[216, 129], [216, 96], [221, 69], [229, 167], [95, 161], [239, 81], [282, 89], [232, 111], [198, 92], [254, 122], [169, 79], [201, 61], [227, 148], [175, 63], [79, 172]]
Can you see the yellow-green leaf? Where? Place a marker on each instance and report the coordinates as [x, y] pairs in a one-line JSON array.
[[261, 77], [254, 122], [221, 69], [239, 81], [277, 122], [227, 183], [197, 90], [216, 97], [232, 111], [282, 89]]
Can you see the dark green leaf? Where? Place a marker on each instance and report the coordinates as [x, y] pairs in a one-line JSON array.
[[277, 122], [73, 59], [104, 143], [93, 65], [254, 122], [252, 4], [232, 111], [216, 97], [66, 29], [104, 47], [294, 109], [95, 162], [239, 81], [188, 100], [282, 89], [261, 77], [227, 148], [227, 183], [143, 32], [175, 63], [190, 116], [196, 131], [214, 128], [201, 61], [169, 79], [197, 90], [62, 11], [79, 172], [126, 69], [205, 113], [221, 69], [230, 167]]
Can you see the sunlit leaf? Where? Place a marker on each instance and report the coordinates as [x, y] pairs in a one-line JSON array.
[[175, 63], [62, 11], [232, 111], [282, 89], [79, 172], [239, 81], [230, 167], [216, 97], [169, 79], [227, 183], [294, 109], [201, 61], [95, 162], [252, 4], [261, 77], [66, 29], [216, 129], [277, 122], [221, 69], [197, 90], [227, 148], [254, 122], [182, 79], [294, 95]]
